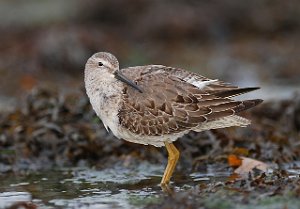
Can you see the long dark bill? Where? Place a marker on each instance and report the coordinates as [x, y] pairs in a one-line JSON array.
[[126, 80]]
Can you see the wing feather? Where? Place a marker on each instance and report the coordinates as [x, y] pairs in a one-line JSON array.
[[176, 100]]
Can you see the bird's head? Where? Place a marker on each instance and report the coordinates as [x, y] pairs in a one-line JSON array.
[[106, 63], [102, 62]]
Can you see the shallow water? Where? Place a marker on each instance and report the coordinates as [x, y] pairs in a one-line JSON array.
[[116, 187]]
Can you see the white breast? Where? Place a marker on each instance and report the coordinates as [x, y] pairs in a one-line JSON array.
[[105, 94]]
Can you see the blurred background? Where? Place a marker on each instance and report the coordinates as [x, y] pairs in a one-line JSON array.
[[44, 45], [249, 43]]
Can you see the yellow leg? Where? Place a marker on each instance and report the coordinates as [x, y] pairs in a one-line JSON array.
[[173, 155]]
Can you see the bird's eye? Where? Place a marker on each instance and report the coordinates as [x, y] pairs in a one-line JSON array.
[[100, 64]]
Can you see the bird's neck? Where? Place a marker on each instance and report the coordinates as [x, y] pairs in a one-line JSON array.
[[105, 94], [105, 85]]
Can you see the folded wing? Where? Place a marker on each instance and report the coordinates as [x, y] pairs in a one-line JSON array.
[[171, 103]]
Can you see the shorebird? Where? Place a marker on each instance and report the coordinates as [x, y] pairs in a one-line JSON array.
[[156, 105]]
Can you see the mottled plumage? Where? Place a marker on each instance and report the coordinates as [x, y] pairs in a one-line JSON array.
[[170, 104]]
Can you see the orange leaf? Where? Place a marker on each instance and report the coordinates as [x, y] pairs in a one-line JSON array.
[[234, 161]]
